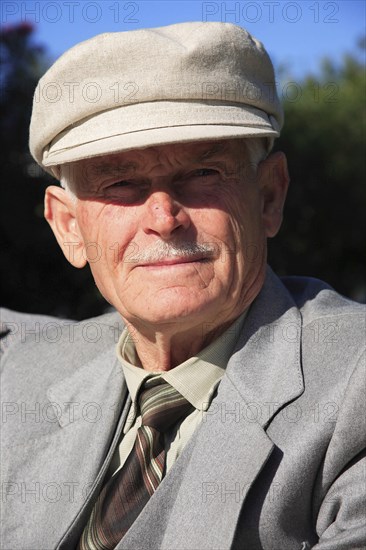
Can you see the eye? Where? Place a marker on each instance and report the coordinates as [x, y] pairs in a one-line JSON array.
[[125, 191], [204, 172], [123, 183], [200, 178]]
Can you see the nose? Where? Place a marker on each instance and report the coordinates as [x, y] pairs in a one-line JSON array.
[[164, 215]]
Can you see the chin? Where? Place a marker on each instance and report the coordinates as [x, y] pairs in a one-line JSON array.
[[157, 311]]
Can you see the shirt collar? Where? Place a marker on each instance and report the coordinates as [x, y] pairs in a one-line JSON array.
[[196, 378]]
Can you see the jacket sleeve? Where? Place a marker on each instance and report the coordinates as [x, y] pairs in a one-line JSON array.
[[341, 520]]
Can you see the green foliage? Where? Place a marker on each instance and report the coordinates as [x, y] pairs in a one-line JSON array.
[[323, 232]]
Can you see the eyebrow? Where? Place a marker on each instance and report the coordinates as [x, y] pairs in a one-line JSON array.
[[108, 168], [216, 149]]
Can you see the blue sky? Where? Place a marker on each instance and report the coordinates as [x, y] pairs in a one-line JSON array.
[[296, 34]]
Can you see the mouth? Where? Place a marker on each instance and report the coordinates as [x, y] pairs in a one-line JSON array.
[[175, 261]]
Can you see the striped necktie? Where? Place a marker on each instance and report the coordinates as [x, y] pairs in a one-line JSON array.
[[125, 494]]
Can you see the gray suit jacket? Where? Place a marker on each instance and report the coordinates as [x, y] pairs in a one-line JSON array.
[[277, 463]]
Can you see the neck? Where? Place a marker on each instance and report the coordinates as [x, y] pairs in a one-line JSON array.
[[164, 349]]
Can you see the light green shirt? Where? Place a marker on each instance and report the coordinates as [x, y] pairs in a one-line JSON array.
[[196, 379]]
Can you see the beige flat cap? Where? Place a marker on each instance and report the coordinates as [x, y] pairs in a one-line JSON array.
[[136, 89]]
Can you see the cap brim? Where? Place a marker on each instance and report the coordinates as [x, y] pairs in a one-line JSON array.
[[150, 124]]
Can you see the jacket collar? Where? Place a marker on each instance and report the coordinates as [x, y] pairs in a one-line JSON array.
[[266, 365]]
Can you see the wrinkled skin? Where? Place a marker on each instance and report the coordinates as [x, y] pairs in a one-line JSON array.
[[177, 299]]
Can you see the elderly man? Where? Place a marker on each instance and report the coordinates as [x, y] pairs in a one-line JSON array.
[[229, 415]]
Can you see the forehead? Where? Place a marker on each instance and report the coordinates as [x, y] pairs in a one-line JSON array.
[[179, 153]]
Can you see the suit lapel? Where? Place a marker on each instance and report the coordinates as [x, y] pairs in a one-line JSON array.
[[266, 366], [99, 387], [92, 394], [60, 464], [199, 502]]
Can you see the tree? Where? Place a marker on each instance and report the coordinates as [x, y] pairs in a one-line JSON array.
[[35, 276], [323, 233]]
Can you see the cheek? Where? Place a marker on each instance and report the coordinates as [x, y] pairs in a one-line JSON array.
[[87, 212], [244, 211], [108, 231], [246, 238]]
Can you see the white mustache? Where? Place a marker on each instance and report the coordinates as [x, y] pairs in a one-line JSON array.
[[166, 251]]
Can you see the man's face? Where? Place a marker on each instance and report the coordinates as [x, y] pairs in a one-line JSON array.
[[173, 234]]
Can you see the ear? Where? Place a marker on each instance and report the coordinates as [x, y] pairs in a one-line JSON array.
[[60, 214], [273, 180]]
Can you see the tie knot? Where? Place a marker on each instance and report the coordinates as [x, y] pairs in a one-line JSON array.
[[161, 405]]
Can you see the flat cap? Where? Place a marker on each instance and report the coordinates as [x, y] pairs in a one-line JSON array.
[[136, 89]]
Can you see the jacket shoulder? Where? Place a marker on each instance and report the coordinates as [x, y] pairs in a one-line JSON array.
[[27, 335], [316, 299], [15, 326]]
